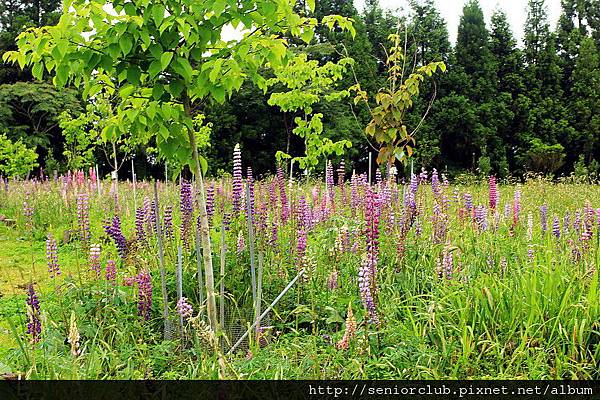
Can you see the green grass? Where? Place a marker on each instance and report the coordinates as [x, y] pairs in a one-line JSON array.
[[502, 315]]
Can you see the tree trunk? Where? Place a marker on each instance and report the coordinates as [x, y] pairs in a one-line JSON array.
[[204, 227]]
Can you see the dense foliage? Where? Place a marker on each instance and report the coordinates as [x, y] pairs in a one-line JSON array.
[[424, 280], [496, 110]]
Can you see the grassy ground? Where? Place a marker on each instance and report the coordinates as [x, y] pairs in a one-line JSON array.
[[504, 314]]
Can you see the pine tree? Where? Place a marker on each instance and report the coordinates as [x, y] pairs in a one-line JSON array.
[[585, 104], [509, 118], [548, 119], [428, 41]]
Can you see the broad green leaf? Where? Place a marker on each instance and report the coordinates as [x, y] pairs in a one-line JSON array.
[[154, 69], [165, 59], [38, 70], [216, 70], [157, 91], [133, 75], [158, 13], [126, 43]]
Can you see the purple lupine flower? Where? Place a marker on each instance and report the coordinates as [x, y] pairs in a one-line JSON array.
[[372, 213], [250, 180], [34, 324], [556, 227], [481, 218], [530, 253], [140, 231], [114, 231], [365, 285], [423, 176], [544, 217], [507, 209], [378, 178], [493, 193], [418, 227], [187, 211], [585, 235], [304, 219], [241, 244], [168, 222], [445, 265], [28, 211], [332, 281], [413, 189], [52, 256], [226, 221], [184, 309], [445, 182], [149, 217], [577, 221], [110, 272], [285, 210], [516, 207], [83, 217], [94, 258], [329, 176], [354, 198], [435, 183], [440, 223], [261, 220], [588, 221], [273, 193], [468, 201], [237, 179], [274, 234], [341, 173], [575, 251], [210, 201], [301, 244], [144, 281], [566, 223]]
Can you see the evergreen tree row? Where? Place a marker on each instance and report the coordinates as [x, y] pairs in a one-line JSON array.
[[501, 108]]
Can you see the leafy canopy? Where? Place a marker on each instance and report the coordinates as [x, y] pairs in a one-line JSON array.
[[164, 58], [307, 83], [16, 159]]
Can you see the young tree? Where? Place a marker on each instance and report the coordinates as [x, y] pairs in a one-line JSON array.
[[392, 103], [166, 59], [16, 159]]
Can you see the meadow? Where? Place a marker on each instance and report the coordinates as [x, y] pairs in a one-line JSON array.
[[415, 279]]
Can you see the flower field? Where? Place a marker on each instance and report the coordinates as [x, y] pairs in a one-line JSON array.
[[389, 279]]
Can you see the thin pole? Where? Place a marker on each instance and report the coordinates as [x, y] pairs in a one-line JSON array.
[[133, 179], [161, 263], [201, 287], [251, 247], [180, 282], [222, 283], [97, 180], [283, 292], [370, 162]]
